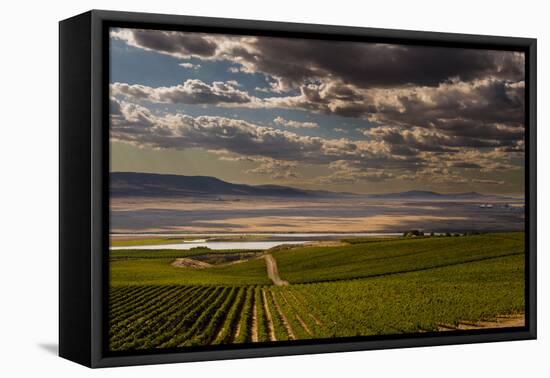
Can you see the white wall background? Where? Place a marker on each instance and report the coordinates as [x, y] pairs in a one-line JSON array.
[[29, 187]]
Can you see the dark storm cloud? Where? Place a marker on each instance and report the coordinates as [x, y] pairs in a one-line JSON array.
[[476, 97], [172, 43], [379, 65], [477, 130], [293, 61], [426, 140], [485, 101]]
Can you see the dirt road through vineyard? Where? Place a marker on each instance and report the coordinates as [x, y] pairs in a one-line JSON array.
[[273, 272]]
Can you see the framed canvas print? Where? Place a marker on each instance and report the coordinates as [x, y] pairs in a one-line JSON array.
[[234, 188]]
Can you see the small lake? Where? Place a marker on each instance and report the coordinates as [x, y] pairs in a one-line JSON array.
[[214, 245]]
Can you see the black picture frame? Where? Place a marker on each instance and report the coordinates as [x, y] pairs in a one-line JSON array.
[[84, 179]]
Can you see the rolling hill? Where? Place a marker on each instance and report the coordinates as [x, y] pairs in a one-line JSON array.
[[132, 184], [135, 184]]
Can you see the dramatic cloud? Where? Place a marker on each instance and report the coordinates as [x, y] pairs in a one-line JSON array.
[[192, 91], [295, 124], [485, 109], [417, 154], [467, 97], [394, 85], [485, 101], [480, 114], [180, 45], [137, 125], [428, 115], [421, 139], [291, 62]]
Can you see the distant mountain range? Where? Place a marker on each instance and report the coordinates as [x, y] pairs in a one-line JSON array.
[[133, 184], [425, 194]]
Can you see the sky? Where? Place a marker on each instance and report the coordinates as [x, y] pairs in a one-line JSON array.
[[334, 115]]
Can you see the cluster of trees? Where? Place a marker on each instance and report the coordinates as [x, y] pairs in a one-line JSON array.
[[413, 233]]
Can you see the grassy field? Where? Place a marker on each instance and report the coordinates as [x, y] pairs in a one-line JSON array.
[[316, 264], [136, 254], [393, 286], [159, 271]]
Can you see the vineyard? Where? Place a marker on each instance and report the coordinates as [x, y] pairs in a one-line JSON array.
[[385, 287]]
